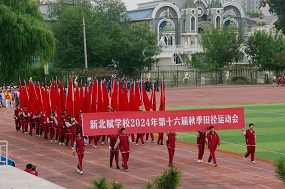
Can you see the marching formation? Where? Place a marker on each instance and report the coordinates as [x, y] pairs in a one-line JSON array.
[[55, 114]]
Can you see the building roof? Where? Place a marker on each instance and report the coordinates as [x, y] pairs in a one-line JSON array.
[[216, 4], [250, 22], [168, 29], [189, 4], [268, 19], [140, 14]]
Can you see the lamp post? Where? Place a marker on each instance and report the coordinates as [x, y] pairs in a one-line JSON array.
[[85, 48]]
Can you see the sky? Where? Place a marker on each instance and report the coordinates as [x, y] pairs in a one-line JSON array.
[[132, 4]]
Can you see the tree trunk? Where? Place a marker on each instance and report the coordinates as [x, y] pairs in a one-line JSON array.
[[221, 76]]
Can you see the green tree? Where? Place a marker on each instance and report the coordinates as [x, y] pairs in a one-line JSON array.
[[278, 7], [170, 179], [263, 50], [221, 47], [24, 36], [104, 183], [69, 34], [280, 169], [252, 14], [112, 41], [135, 48]]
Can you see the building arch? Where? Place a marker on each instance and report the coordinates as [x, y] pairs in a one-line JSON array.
[[236, 6], [166, 5]]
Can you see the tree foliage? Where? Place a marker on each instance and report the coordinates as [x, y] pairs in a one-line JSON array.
[[265, 50], [112, 41], [24, 36], [104, 183], [280, 169], [170, 179], [252, 14], [278, 7], [221, 47]]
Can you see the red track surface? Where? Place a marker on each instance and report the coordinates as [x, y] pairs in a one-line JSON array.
[[56, 164]]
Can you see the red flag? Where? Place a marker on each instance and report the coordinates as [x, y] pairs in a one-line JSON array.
[[114, 96], [32, 98], [45, 101], [87, 100], [162, 97], [81, 98], [153, 98], [125, 96], [39, 101], [94, 97], [70, 99], [105, 97], [147, 104], [137, 96], [132, 98], [76, 102], [62, 98]]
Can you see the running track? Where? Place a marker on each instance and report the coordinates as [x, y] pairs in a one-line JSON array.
[[56, 163]]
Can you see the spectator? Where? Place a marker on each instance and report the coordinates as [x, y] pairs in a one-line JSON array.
[[31, 169]]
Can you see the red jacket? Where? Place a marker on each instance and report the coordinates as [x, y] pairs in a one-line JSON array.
[[17, 113], [79, 145], [112, 140], [213, 140], [170, 140], [32, 172], [44, 118], [201, 137], [250, 137], [124, 144]]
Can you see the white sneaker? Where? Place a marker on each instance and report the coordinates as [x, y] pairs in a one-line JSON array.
[[51, 141], [254, 162], [137, 144], [209, 163], [244, 158], [81, 172], [199, 161], [55, 141], [95, 146], [59, 143], [77, 170], [146, 141], [153, 141], [72, 148], [133, 142], [143, 145], [102, 142]]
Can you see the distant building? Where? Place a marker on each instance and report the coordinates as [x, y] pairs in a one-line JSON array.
[[178, 25], [251, 5]]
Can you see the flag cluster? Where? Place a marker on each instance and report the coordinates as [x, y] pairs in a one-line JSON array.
[[89, 99]]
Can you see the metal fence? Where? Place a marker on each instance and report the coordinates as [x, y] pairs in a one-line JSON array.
[[177, 75]]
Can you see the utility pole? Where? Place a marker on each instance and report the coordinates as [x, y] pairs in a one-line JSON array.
[[85, 48]]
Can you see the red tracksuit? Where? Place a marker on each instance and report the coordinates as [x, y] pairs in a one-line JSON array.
[[124, 146], [112, 139], [250, 143], [160, 138], [44, 125], [151, 135], [25, 121], [17, 118], [79, 148], [51, 126], [213, 142], [140, 136], [170, 143], [32, 172], [62, 130], [201, 140], [31, 123]]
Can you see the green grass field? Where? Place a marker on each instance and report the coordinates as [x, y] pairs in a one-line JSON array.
[[269, 121]]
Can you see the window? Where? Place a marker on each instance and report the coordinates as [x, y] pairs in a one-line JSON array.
[[193, 24], [218, 22]]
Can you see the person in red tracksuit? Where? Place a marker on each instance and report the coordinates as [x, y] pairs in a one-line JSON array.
[[152, 137], [140, 136], [160, 139], [213, 140], [250, 137], [79, 148], [201, 141], [114, 152], [25, 125], [123, 142], [170, 143], [17, 117], [62, 129], [71, 130], [44, 125]]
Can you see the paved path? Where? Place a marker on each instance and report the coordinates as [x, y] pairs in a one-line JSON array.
[[56, 164]]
